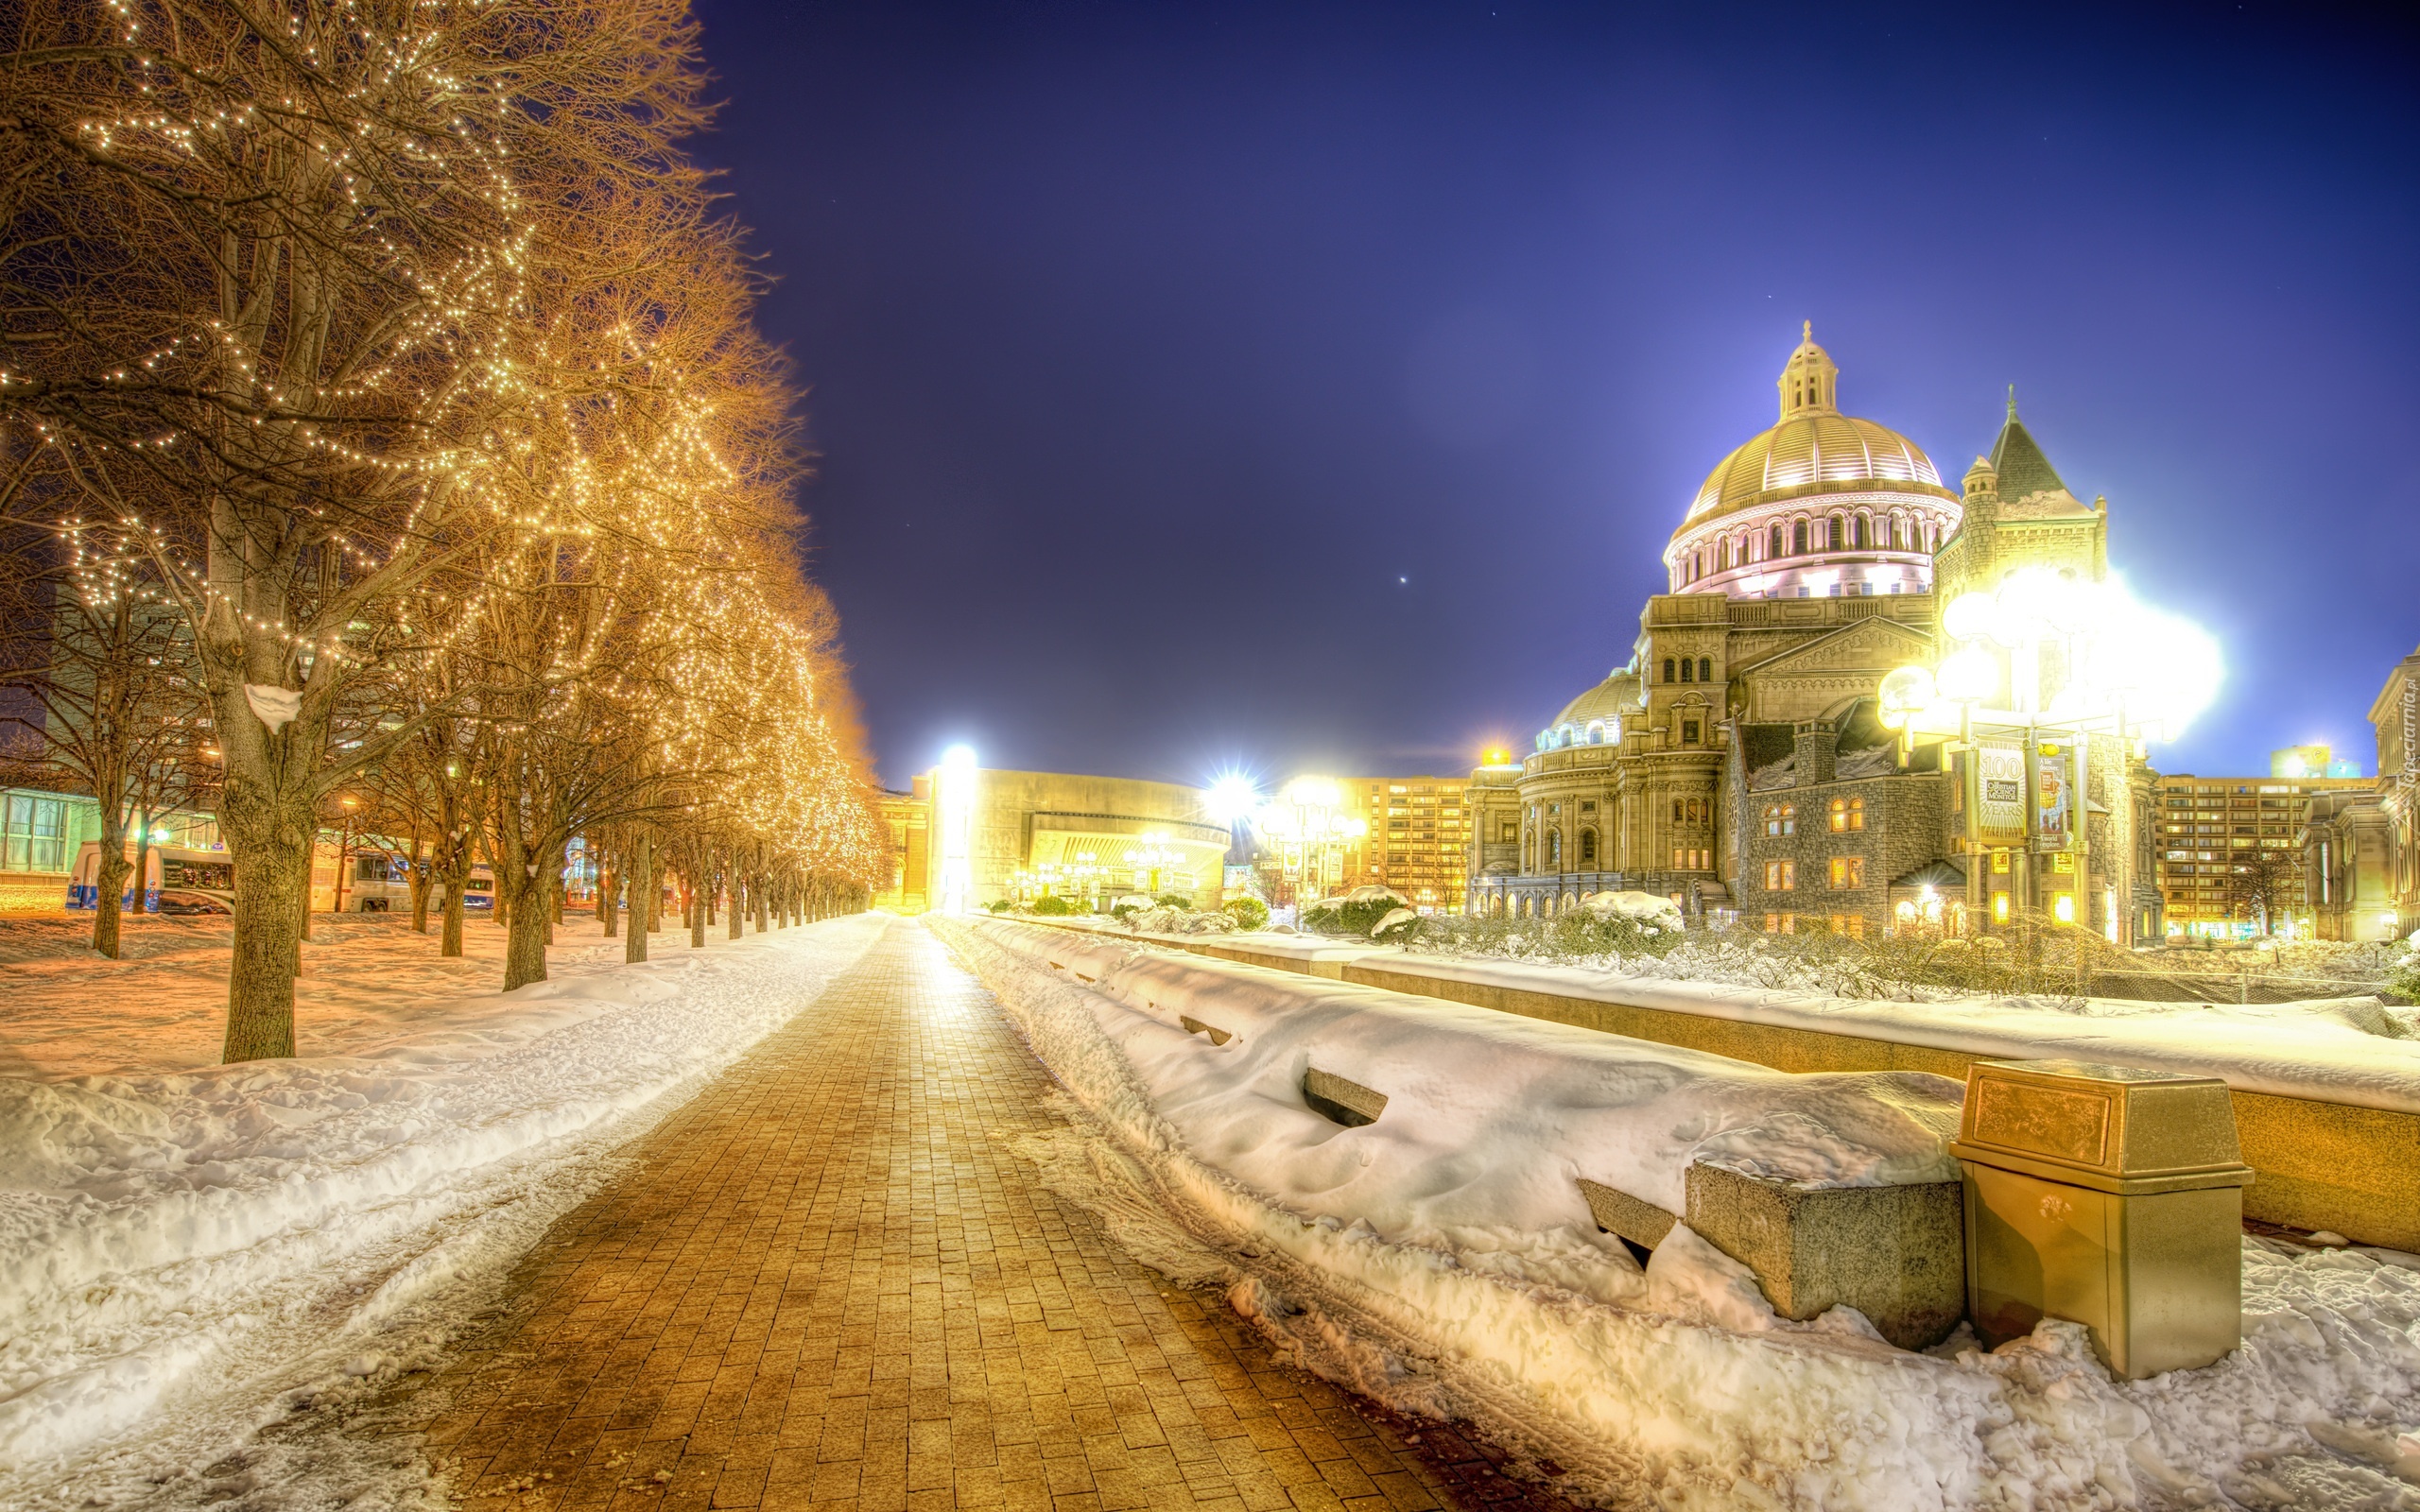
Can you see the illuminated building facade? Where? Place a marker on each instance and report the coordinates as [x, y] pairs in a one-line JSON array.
[[963, 837], [1735, 761], [2360, 842], [1416, 837], [2209, 829]]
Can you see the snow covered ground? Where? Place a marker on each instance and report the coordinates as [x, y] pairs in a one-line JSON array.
[[188, 1250], [1440, 1260], [366, 979]]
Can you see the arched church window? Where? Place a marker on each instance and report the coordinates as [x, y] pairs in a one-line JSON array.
[[1686, 668], [1778, 546], [1667, 670], [1840, 533], [1588, 849], [1706, 669], [1554, 849], [1857, 532]]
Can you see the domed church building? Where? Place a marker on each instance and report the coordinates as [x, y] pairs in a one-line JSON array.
[[1735, 761]]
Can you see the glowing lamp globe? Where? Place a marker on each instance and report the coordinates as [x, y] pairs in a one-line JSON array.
[[1969, 617], [1969, 675], [1903, 692]]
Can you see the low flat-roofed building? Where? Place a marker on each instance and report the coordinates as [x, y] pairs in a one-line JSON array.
[[963, 837]]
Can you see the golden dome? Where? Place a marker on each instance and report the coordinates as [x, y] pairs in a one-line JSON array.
[[1815, 449], [1594, 718]]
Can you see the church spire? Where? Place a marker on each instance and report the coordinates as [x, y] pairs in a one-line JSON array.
[[1809, 381]]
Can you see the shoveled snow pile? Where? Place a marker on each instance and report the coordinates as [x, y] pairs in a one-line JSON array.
[[182, 1253], [1440, 1260]]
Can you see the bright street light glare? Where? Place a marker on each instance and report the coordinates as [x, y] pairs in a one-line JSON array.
[[1231, 797]]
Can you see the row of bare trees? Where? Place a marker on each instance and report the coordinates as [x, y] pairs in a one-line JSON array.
[[385, 366]]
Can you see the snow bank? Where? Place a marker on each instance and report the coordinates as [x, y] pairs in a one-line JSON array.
[[2325, 1049], [1428, 1261], [2340, 1050], [178, 1249], [1489, 1118]]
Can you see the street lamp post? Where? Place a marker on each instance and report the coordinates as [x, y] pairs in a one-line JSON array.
[[2046, 664]]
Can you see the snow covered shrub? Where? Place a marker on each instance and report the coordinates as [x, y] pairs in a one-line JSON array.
[[1248, 913], [1054, 907], [1001, 905], [1399, 925], [1172, 899], [1358, 912], [2403, 976], [1583, 933], [1651, 910], [1126, 908]]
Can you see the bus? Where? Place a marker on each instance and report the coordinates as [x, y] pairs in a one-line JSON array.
[[167, 867], [380, 882]]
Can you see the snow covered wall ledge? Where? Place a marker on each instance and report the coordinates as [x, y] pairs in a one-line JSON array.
[[180, 1251], [1439, 1257]]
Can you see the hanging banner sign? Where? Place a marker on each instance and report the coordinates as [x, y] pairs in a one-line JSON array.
[[1996, 792], [2054, 795]]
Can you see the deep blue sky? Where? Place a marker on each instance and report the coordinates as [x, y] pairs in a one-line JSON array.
[[1314, 386]]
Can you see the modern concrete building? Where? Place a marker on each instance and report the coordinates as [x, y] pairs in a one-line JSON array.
[[963, 837], [1735, 761]]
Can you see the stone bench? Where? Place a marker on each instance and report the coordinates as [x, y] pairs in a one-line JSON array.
[[1340, 1101], [1896, 1254]]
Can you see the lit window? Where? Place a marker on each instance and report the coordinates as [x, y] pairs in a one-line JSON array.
[[1848, 814], [1781, 876], [36, 834], [1848, 872]]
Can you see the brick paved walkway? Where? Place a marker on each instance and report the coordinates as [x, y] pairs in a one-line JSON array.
[[827, 1282]]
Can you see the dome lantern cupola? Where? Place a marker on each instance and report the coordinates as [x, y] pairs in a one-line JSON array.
[[1809, 381]]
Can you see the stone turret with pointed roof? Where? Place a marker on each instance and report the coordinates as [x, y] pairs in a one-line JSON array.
[[2022, 470], [2019, 513]]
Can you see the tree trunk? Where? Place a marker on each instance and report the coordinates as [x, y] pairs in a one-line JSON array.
[[758, 891], [608, 899], [641, 865], [450, 937], [734, 904], [696, 915], [273, 888], [302, 911], [109, 879], [142, 901], [420, 880], [524, 940]]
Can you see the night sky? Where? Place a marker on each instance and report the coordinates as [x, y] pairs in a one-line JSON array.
[[1314, 388]]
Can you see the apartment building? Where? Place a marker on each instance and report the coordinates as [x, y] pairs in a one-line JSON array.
[[2210, 827], [1417, 841]]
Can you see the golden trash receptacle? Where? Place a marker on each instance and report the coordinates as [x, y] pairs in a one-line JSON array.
[[2109, 1197]]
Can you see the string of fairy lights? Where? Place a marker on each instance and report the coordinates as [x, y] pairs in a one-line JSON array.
[[545, 491]]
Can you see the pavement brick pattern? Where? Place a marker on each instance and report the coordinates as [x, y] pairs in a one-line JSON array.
[[827, 1282]]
